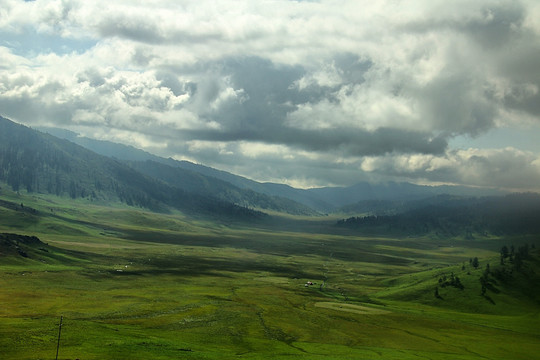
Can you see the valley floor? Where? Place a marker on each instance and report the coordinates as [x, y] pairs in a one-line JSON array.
[[137, 285]]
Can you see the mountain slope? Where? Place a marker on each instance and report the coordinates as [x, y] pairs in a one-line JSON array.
[[515, 214], [326, 199], [197, 183], [202, 179], [37, 162], [340, 197]]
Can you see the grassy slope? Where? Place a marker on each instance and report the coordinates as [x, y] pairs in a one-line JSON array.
[[132, 284]]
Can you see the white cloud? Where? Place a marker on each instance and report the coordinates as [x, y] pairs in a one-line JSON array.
[[378, 87], [327, 75], [507, 168]]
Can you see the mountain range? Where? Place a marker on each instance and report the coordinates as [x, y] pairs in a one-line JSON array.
[[37, 162], [326, 199], [60, 162]]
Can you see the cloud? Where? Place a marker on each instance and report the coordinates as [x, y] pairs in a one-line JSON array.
[[508, 168], [353, 86]]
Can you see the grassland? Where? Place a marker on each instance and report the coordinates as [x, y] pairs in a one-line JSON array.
[[132, 284]]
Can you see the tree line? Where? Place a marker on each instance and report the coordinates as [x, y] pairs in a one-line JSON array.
[[511, 214], [511, 266]]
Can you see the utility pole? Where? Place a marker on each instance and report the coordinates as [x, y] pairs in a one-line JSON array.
[[59, 332]]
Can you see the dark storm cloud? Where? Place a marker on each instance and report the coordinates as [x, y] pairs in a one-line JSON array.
[[139, 29], [524, 94], [509, 50], [359, 142], [267, 94], [354, 142], [352, 67], [459, 103], [499, 25], [270, 96], [171, 81]]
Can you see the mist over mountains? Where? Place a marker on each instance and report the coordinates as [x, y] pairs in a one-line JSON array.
[[41, 163], [327, 199], [59, 162]]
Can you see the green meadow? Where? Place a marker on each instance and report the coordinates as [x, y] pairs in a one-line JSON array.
[[132, 284]]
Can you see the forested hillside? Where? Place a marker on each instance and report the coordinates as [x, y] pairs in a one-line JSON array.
[[455, 216], [41, 163], [350, 199], [196, 183]]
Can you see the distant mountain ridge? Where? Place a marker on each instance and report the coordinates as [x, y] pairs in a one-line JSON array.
[[447, 215], [41, 163], [197, 183], [130, 153], [327, 199]]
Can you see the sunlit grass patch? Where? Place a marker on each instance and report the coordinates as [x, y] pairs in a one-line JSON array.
[[139, 285]]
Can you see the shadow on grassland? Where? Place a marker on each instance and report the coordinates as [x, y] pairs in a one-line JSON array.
[[187, 265], [348, 250]]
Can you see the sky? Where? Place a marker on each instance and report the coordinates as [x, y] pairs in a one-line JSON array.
[[307, 93]]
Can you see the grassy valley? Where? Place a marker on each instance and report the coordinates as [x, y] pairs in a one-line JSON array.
[[141, 285], [161, 259], [279, 179]]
